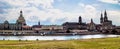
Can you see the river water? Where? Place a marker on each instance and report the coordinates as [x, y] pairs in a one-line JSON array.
[[56, 37]]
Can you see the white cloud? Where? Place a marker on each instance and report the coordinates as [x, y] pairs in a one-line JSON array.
[[89, 11], [34, 14], [49, 13], [2, 18], [24, 3], [110, 1], [29, 10], [114, 16]]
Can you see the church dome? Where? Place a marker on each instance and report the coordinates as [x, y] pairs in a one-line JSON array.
[[6, 22], [21, 19]]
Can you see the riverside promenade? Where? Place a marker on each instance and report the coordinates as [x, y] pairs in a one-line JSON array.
[[32, 33]]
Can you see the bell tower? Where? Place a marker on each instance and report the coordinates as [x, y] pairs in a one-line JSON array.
[[80, 19]]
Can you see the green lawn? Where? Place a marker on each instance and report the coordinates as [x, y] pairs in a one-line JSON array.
[[103, 43]]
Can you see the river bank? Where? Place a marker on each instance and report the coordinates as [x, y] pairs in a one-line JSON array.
[[52, 34], [102, 43], [76, 37]]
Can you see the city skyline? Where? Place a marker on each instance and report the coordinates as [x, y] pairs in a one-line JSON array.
[[57, 12]]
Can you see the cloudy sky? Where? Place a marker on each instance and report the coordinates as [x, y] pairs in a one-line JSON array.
[[56, 12]]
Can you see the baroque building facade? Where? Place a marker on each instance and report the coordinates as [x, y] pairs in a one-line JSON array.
[[75, 25], [19, 25], [91, 26]]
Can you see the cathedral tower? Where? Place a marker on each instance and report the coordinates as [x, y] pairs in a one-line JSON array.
[[101, 19], [105, 16]]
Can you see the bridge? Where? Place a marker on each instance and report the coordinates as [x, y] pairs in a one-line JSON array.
[[15, 31]]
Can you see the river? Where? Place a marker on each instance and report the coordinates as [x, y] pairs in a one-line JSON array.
[[56, 37]]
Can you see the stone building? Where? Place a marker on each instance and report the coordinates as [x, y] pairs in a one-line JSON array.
[[46, 28], [75, 25], [52, 27], [19, 25], [105, 23], [37, 27], [91, 26]]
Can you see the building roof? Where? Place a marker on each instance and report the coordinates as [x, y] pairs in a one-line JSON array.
[[36, 26], [73, 23], [70, 23], [26, 27]]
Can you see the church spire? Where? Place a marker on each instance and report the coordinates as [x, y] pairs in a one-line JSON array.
[[105, 16], [105, 12], [101, 19], [91, 20]]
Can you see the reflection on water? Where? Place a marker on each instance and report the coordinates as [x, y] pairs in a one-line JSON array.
[[56, 37]]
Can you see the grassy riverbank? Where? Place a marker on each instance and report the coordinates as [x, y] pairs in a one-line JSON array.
[[104, 43]]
